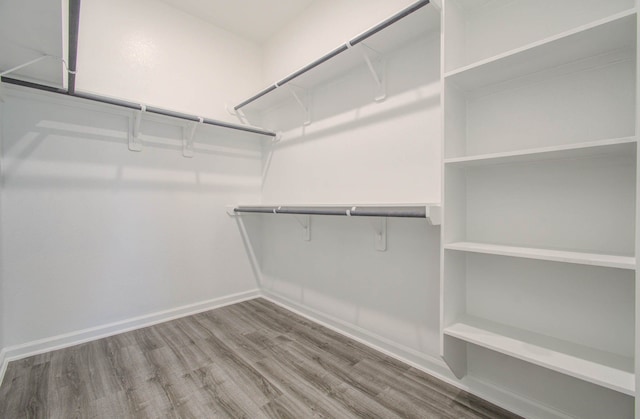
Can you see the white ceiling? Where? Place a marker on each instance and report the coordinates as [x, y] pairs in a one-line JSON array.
[[255, 20]]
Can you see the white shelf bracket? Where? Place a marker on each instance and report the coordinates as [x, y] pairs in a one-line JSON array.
[[188, 136], [305, 222], [239, 113], [378, 69], [302, 96], [380, 230], [135, 142]]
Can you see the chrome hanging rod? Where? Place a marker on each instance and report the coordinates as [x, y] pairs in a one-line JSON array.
[[139, 107], [342, 48], [74, 27], [417, 211], [74, 23]]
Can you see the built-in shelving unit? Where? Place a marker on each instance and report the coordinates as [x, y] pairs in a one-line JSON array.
[[366, 49], [540, 187]]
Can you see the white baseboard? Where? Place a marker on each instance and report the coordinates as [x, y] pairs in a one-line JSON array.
[[53, 343], [379, 343], [3, 363], [428, 364]]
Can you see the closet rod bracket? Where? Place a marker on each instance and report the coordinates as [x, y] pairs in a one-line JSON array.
[[303, 98], [305, 222], [135, 122], [380, 231], [188, 137], [377, 67]]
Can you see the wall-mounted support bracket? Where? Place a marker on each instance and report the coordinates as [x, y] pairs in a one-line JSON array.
[[238, 113], [380, 230], [305, 222], [377, 66], [135, 142], [302, 96], [188, 136]]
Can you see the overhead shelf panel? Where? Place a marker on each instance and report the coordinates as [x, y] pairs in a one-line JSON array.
[[29, 31], [400, 29]]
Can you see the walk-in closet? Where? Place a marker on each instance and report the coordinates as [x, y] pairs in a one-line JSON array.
[[319, 208]]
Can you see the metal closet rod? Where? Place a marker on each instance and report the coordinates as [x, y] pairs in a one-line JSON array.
[[342, 48], [138, 107], [417, 211]]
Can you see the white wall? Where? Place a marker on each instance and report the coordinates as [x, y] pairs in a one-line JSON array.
[[322, 27], [94, 233], [358, 151], [148, 52], [2, 293]]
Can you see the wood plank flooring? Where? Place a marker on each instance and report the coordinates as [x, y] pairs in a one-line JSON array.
[[252, 359]]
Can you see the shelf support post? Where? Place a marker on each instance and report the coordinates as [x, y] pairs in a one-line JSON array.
[[378, 69], [135, 142], [302, 97]]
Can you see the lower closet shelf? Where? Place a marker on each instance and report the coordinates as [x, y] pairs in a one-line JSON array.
[[595, 366], [429, 211]]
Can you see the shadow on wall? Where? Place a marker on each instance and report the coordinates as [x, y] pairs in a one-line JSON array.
[[412, 85], [392, 294], [65, 143], [94, 233]]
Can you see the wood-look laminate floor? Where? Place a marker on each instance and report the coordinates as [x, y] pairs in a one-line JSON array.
[[252, 359]]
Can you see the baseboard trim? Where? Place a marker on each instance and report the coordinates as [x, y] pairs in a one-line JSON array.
[[13, 353], [379, 343], [3, 364], [428, 364]]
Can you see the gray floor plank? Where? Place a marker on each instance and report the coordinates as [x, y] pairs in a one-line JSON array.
[[252, 359]]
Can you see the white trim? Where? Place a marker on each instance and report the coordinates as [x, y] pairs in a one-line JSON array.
[[3, 363], [388, 347], [53, 343], [426, 363]]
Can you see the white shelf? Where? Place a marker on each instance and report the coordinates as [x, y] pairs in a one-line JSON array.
[[405, 30], [602, 368], [612, 147], [429, 211], [606, 35], [594, 259]]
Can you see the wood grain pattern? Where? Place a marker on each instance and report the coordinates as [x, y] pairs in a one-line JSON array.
[[252, 359]]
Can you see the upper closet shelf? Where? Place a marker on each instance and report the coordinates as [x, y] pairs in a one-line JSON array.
[[597, 39], [365, 48]]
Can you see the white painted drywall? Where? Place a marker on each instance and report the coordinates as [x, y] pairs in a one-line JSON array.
[[94, 233], [338, 273], [3, 317], [319, 29], [149, 52], [358, 151]]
